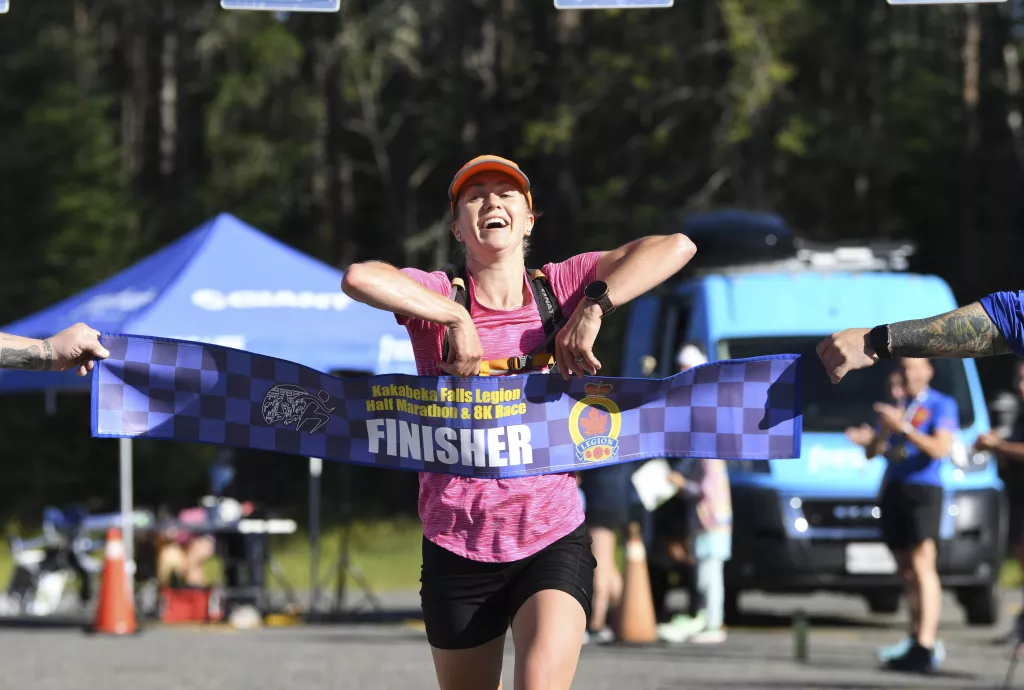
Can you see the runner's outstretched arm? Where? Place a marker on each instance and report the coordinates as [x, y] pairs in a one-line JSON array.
[[643, 264], [627, 272], [385, 287]]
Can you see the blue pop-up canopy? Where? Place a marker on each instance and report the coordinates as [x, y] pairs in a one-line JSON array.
[[227, 283]]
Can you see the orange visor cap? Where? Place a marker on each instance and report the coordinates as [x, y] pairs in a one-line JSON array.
[[488, 164]]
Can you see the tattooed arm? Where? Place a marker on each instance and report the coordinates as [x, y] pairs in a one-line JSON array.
[[964, 332], [991, 326], [30, 354], [73, 348]]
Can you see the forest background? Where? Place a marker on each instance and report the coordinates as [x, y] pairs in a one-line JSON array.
[[126, 123]]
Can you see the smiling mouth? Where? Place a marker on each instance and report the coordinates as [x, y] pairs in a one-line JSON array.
[[495, 224]]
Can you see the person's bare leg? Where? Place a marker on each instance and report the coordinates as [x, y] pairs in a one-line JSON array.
[[548, 632], [607, 578], [170, 560], [1019, 550], [929, 591], [905, 564], [477, 668], [200, 550]]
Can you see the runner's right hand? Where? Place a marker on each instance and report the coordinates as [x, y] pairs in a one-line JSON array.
[[465, 352]]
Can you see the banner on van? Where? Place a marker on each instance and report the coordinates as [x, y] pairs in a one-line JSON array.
[[484, 427]]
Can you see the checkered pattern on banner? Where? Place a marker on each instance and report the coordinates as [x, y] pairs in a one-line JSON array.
[[185, 391]]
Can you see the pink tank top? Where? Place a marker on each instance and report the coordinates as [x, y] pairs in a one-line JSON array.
[[498, 520]]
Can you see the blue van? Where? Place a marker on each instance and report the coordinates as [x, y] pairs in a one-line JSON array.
[[812, 524]]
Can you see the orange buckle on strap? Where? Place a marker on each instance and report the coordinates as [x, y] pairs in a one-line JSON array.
[[518, 363], [515, 364]]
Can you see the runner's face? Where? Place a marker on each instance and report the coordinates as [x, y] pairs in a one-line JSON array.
[[896, 386], [917, 374], [493, 215]]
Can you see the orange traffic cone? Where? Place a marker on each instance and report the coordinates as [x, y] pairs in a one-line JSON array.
[[636, 622], [115, 614]]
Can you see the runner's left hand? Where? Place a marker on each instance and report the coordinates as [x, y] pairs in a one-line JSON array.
[[574, 344]]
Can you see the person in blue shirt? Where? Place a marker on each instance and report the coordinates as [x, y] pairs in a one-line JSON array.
[[991, 326], [914, 434]]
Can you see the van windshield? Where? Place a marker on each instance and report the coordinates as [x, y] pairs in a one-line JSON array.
[[829, 407]]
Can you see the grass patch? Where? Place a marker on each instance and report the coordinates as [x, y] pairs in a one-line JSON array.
[[1010, 575], [387, 552]]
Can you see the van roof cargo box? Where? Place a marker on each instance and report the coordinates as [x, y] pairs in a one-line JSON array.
[[734, 237]]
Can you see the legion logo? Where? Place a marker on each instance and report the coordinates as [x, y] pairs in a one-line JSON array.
[[595, 423]]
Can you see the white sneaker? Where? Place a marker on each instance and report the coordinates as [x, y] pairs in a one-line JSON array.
[[680, 628], [708, 637]]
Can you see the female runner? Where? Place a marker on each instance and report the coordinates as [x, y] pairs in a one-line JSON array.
[[501, 552]]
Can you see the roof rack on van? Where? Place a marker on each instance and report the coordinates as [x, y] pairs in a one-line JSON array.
[[757, 241], [820, 256], [854, 256]]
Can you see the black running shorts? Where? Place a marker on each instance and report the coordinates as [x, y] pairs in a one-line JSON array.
[[911, 514], [467, 603]]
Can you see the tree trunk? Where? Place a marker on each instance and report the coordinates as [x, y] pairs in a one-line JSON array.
[[968, 216]]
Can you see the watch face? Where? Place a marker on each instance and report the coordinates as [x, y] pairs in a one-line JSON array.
[[596, 290]]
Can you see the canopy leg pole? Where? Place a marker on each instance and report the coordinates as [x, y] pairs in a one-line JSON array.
[[127, 523], [315, 469]]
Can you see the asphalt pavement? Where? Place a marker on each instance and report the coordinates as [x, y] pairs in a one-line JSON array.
[[759, 653]]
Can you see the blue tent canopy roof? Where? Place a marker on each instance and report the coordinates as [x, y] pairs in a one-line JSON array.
[[227, 283]]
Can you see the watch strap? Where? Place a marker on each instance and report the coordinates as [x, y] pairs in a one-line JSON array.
[[879, 339], [603, 301]]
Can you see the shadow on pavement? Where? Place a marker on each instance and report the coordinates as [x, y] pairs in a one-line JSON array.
[[753, 619], [881, 684], [391, 615], [352, 637], [45, 622]]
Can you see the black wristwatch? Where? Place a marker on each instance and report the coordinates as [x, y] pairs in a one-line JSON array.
[[879, 339], [597, 292]]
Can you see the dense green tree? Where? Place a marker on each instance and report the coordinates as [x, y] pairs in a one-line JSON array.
[[124, 124]]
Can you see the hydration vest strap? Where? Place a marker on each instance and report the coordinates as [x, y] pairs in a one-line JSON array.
[[550, 316]]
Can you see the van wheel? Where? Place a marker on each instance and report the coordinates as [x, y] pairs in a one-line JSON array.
[[980, 604], [884, 602]]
